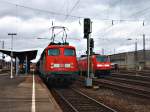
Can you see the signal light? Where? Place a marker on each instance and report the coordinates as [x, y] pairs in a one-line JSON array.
[[87, 27], [91, 43]]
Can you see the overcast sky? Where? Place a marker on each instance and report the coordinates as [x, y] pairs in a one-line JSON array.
[[31, 19]]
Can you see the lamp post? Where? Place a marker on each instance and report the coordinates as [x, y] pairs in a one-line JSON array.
[[144, 53], [2, 47], [2, 53], [12, 34]]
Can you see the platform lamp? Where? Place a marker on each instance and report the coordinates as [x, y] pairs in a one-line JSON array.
[[12, 34]]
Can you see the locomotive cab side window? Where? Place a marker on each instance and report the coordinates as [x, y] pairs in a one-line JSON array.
[[53, 52], [69, 52]]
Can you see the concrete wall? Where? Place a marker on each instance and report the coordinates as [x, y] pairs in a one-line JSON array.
[[128, 60]]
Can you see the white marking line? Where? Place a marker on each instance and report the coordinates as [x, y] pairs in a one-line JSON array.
[[33, 95]]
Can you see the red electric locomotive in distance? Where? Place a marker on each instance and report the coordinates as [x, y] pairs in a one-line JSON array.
[[100, 65], [58, 63]]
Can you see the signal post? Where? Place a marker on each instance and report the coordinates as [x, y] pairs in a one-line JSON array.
[[87, 32]]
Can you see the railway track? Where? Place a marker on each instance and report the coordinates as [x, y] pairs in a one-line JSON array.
[[72, 100], [123, 87], [142, 73], [130, 81], [133, 77], [1, 72]]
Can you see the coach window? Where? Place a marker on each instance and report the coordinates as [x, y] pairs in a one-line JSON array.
[[69, 52], [53, 52]]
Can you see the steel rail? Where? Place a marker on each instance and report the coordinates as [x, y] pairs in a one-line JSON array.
[[95, 101], [123, 88], [129, 76], [63, 98], [130, 81], [80, 102]]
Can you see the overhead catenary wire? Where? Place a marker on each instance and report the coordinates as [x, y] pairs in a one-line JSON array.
[[72, 9], [62, 14], [41, 10], [68, 15], [56, 13], [140, 12]]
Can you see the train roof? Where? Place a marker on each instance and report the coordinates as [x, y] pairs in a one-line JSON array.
[[90, 55], [85, 56], [62, 46]]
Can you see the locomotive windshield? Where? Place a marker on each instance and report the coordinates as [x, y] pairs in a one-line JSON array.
[[69, 52], [53, 52], [102, 58]]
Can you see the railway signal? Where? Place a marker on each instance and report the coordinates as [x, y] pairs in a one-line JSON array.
[[87, 31], [91, 43], [87, 27]]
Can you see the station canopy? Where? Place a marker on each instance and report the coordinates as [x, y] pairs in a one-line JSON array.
[[31, 54]]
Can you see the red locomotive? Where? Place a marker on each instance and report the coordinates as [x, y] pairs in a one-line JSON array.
[[100, 65], [58, 63]]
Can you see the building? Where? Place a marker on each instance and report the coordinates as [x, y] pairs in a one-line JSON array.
[[131, 60]]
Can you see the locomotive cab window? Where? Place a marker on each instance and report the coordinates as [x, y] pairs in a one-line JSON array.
[[69, 52], [102, 58], [53, 52]]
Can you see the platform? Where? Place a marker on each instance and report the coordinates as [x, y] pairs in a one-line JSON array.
[[21, 95]]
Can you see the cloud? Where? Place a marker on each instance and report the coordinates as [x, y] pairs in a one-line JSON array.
[[30, 24]]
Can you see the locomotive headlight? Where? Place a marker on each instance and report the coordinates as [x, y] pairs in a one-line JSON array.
[[67, 65], [52, 65], [56, 65], [107, 65], [72, 65], [99, 65]]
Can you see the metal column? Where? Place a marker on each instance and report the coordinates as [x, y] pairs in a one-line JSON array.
[[17, 66], [136, 57], [144, 54], [26, 69], [3, 55], [12, 34]]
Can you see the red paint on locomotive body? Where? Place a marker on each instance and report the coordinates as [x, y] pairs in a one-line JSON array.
[[59, 62], [99, 64]]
